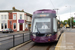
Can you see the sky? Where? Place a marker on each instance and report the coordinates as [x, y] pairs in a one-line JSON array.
[[65, 6]]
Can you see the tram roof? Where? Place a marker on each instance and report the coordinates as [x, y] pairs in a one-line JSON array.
[[45, 11]]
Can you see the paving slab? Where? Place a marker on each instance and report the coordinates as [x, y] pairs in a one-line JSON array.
[[66, 41]]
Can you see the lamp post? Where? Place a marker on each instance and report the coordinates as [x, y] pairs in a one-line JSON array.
[[70, 18]]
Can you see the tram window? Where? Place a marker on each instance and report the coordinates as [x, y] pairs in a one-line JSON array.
[[44, 26], [54, 25], [39, 22]]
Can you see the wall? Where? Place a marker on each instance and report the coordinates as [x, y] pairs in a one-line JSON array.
[[18, 18], [12, 21], [4, 20], [28, 18], [10, 18]]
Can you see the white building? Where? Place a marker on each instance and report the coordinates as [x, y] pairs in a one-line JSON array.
[[14, 19]]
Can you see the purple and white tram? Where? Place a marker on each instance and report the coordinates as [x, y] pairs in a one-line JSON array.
[[44, 26]]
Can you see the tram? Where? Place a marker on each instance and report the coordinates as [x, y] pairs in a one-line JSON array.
[[44, 26]]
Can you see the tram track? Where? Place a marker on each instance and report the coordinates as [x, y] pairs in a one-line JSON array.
[[31, 47], [44, 46], [48, 47], [38, 46]]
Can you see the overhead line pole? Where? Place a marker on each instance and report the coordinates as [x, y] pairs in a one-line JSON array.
[[70, 18]]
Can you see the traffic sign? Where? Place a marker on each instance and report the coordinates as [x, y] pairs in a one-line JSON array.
[[74, 20]]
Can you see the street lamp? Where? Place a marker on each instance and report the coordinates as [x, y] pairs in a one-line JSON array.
[[70, 18]]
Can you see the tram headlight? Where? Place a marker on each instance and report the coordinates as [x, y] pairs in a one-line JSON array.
[[49, 35], [34, 35]]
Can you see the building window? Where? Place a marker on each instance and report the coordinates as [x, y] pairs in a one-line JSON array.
[[5, 25], [20, 16], [5, 17], [14, 25], [1, 25], [14, 16], [1, 16]]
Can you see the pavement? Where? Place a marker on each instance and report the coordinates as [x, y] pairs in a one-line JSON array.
[[67, 40]]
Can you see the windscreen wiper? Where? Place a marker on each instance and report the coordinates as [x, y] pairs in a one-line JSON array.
[[37, 29]]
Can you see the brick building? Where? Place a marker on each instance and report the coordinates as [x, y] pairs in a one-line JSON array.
[[17, 20]]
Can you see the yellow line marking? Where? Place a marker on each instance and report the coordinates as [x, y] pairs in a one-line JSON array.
[[60, 45]]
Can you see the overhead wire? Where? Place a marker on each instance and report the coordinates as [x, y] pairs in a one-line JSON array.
[[52, 4], [54, 8]]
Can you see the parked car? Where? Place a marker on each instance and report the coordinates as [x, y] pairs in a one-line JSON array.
[[7, 30]]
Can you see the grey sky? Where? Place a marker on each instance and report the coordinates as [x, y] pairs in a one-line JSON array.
[[32, 5]]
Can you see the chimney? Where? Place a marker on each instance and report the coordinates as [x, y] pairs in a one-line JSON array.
[[22, 9], [13, 8]]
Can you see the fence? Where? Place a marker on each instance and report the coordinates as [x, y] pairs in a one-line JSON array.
[[10, 41]]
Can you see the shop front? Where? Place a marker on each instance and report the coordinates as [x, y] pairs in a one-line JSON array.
[[21, 24]]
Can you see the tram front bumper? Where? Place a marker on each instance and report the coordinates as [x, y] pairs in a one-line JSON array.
[[43, 39]]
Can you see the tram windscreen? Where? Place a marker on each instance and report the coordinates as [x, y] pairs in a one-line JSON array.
[[42, 24]]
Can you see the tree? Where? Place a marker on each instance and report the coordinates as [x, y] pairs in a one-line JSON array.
[[58, 23], [62, 22], [65, 22], [72, 23]]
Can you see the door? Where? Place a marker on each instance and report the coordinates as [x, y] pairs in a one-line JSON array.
[[21, 27]]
